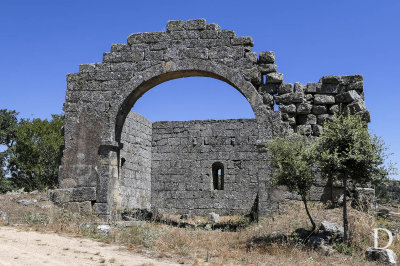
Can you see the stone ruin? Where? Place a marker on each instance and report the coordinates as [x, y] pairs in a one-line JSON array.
[[115, 160]]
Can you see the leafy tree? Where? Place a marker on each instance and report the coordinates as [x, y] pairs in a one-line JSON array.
[[35, 159], [8, 128], [292, 161], [347, 152]]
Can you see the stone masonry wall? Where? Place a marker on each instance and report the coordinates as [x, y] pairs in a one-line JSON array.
[[135, 177], [182, 157], [307, 107], [101, 95]]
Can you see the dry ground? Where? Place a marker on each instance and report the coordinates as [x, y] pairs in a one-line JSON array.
[[257, 244], [34, 248]]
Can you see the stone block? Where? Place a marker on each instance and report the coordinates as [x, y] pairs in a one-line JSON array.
[[68, 183], [352, 79], [266, 57], [245, 41], [84, 208], [118, 57], [330, 80], [120, 47], [290, 109], [365, 115], [195, 24], [209, 34], [329, 88], [252, 57], [253, 75], [269, 88], [283, 99], [289, 98], [298, 87], [304, 130], [297, 97], [309, 119], [304, 108], [285, 88], [322, 118], [324, 99], [228, 34], [173, 25], [334, 109], [268, 98], [312, 87], [319, 109], [83, 194], [356, 107], [292, 119], [213, 26], [317, 130], [385, 256], [147, 37], [309, 97], [274, 78], [267, 68], [101, 208], [332, 230], [348, 96], [60, 196]]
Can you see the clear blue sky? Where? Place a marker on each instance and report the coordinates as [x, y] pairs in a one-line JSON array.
[[42, 41]]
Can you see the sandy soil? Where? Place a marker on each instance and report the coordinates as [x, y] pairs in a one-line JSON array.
[[33, 248]]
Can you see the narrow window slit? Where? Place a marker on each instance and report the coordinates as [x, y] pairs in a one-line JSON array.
[[218, 176]]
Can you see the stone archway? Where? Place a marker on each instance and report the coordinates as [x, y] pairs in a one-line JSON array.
[[100, 96]]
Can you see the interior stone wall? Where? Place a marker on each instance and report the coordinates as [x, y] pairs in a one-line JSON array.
[[135, 177], [182, 157]]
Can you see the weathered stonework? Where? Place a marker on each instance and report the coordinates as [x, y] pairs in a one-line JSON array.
[[108, 160]]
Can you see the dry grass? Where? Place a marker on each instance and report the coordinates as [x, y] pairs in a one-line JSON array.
[[258, 244]]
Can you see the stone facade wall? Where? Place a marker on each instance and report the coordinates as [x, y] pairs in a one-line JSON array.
[[135, 172], [182, 157], [101, 95]]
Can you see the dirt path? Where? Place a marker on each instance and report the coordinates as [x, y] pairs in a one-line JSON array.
[[33, 248]]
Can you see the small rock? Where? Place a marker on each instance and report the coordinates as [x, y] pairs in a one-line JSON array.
[[85, 225], [186, 216], [328, 250], [103, 229], [26, 202], [317, 241], [1, 198], [43, 198], [208, 227], [214, 218], [46, 206], [386, 256], [4, 217], [332, 230]]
